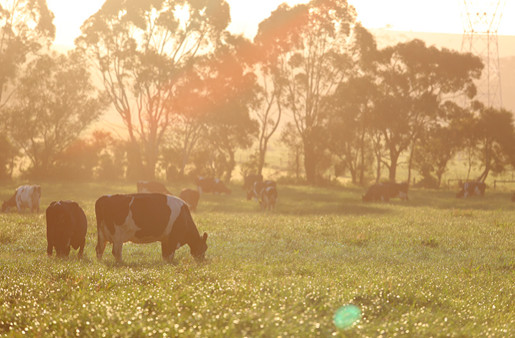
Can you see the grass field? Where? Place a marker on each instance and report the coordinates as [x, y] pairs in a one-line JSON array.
[[431, 266]]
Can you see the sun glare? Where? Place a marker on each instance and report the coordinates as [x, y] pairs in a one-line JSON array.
[[182, 13]]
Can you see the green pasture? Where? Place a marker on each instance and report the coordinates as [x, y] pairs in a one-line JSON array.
[[431, 266]]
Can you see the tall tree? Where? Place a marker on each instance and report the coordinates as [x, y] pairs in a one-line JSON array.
[[217, 94], [415, 80], [25, 28], [440, 143], [54, 104], [349, 127], [141, 48], [272, 45], [317, 61], [496, 139]]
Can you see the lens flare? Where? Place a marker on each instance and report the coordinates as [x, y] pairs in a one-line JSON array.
[[346, 316]]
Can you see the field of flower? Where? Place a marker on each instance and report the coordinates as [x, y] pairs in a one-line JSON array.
[[431, 266]]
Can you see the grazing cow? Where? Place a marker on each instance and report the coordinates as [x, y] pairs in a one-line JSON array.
[[471, 189], [145, 218], [248, 181], [268, 198], [66, 225], [386, 190], [257, 188], [151, 186], [25, 196], [191, 197], [213, 185]]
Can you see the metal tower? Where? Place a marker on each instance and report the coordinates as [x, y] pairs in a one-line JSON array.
[[481, 19]]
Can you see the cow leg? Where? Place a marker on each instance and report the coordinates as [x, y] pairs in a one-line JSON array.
[[81, 249], [101, 245], [167, 250], [49, 249], [117, 250]]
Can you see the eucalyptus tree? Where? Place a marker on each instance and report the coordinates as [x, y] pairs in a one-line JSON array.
[[272, 46], [54, 104], [213, 104], [495, 134], [141, 48], [25, 28], [440, 142], [415, 80], [349, 128], [316, 62], [350, 109]]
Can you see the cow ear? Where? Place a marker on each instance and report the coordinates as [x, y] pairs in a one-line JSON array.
[[204, 237]]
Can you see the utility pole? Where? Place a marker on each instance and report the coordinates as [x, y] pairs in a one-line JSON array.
[[481, 19]]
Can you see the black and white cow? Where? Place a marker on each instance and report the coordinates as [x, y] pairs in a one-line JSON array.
[[471, 189], [213, 185], [145, 218], [152, 186], [191, 197], [255, 191], [66, 225], [386, 190], [25, 196], [268, 198]]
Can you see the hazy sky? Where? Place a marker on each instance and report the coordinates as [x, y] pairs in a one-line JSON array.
[[420, 16]]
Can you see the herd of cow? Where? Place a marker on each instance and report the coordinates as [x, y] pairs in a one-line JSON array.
[[155, 215]]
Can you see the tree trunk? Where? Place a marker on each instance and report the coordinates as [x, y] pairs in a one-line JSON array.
[[261, 157], [310, 163], [378, 170], [410, 162], [362, 165], [394, 157]]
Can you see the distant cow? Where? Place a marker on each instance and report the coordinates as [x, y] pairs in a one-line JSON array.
[[25, 196], [145, 218], [213, 185], [248, 181], [151, 186], [471, 189], [257, 188], [191, 197], [66, 225], [268, 198], [386, 190]]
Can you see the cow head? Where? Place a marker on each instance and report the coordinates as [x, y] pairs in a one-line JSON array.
[[200, 251]]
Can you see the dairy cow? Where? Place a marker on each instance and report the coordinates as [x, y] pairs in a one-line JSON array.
[[25, 196], [257, 188], [191, 197], [471, 189], [268, 198], [386, 190], [152, 186], [66, 225], [145, 218]]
